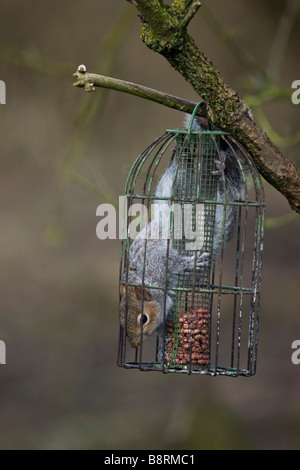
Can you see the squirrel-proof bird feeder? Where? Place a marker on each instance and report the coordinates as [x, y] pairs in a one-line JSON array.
[[213, 326]]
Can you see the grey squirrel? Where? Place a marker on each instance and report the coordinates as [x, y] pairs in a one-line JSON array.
[[143, 309]]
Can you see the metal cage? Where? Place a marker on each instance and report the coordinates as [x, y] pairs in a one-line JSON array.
[[212, 327]]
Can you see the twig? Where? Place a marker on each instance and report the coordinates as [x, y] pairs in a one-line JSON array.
[[89, 80], [281, 141], [194, 7], [34, 62], [261, 89], [86, 114], [282, 36], [246, 60], [282, 221], [96, 190]]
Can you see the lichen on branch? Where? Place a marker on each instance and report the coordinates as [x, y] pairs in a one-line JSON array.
[[164, 30]]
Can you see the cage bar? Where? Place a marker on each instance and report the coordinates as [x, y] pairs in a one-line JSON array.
[[212, 327]]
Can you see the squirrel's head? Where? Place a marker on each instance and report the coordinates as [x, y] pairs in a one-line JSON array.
[[139, 313]]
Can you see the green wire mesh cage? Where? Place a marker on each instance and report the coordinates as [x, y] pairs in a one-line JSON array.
[[190, 278]]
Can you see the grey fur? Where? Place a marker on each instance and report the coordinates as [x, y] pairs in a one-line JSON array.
[[163, 263]]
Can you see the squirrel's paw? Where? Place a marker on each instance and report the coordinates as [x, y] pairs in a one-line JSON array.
[[220, 168], [188, 263], [203, 260]]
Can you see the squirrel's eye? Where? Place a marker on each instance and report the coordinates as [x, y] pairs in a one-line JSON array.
[[145, 319]]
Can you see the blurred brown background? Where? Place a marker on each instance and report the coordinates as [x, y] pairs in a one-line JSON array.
[[61, 387]]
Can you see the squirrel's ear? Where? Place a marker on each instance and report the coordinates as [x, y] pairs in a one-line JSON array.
[[122, 290], [139, 294]]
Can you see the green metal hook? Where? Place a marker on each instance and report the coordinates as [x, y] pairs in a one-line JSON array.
[[193, 115]]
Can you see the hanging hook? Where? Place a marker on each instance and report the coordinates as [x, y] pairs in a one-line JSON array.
[[201, 103]]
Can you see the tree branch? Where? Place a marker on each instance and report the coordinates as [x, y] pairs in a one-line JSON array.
[[165, 32], [192, 10], [282, 37], [89, 80]]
